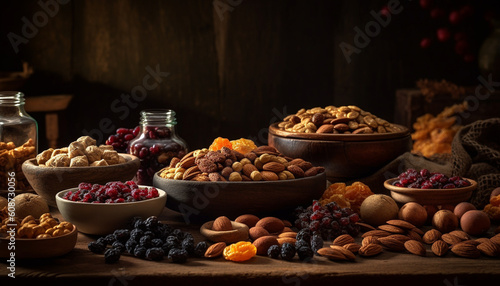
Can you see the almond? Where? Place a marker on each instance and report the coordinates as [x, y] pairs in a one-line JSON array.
[[466, 250], [305, 165], [391, 243], [191, 172], [257, 231], [287, 229], [269, 176], [249, 219], [369, 240], [401, 224], [343, 240], [462, 235], [496, 239], [482, 240], [248, 169], [291, 234], [265, 149], [296, 161], [489, 249], [415, 247], [415, 236], [391, 228], [471, 242], [332, 254], [286, 223], [432, 236], [314, 171], [450, 239], [370, 250], [376, 233], [347, 253], [263, 243], [417, 230], [222, 223], [296, 171], [290, 240], [365, 226], [215, 250], [352, 247], [325, 128], [271, 224], [440, 248], [401, 237], [273, 167], [187, 163]]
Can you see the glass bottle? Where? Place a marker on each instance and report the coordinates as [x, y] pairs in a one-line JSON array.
[[156, 144], [18, 140]]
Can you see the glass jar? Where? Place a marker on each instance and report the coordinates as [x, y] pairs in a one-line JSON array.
[[156, 144], [18, 140]]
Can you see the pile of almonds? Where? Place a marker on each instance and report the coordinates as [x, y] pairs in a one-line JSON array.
[[264, 163], [342, 120]]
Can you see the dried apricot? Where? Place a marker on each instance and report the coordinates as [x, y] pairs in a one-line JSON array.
[[495, 201], [220, 142], [346, 196], [493, 212], [243, 145], [240, 251]]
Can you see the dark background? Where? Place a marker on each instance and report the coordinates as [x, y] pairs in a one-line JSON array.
[[228, 77]]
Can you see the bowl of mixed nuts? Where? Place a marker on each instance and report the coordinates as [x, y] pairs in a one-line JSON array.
[[207, 184], [349, 142]]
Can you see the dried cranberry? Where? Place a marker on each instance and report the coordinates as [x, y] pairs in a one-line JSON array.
[[449, 186], [424, 173]]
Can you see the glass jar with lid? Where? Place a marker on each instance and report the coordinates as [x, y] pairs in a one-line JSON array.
[[156, 144], [18, 141]]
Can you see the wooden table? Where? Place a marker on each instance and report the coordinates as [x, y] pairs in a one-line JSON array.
[[81, 267]]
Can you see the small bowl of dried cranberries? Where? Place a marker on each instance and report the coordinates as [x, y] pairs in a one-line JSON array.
[[100, 209], [429, 188]]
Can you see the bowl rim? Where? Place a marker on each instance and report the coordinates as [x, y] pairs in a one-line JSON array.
[[240, 182], [274, 130], [46, 238], [388, 185], [59, 198], [130, 159]]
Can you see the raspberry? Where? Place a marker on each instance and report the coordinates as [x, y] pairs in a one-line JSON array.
[[274, 251], [155, 253], [287, 251], [112, 255]]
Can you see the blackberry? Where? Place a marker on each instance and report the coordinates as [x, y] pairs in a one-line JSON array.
[[102, 241], [151, 223], [150, 233], [145, 241], [174, 240], [130, 245], [140, 225], [188, 236], [112, 255], [200, 249], [177, 232], [301, 243], [140, 251], [177, 255], [316, 242], [274, 251], [305, 252], [155, 253], [122, 234], [304, 234], [156, 242], [134, 220], [110, 238], [163, 231], [188, 245], [136, 234], [96, 247], [119, 246], [287, 251]]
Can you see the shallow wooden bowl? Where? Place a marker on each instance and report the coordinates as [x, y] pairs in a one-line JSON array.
[[207, 200], [344, 156], [48, 181], [30, 248], [430, 196], [238, 233]]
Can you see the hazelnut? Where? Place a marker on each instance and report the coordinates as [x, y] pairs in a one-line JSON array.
[[445, 221], [413, 213]]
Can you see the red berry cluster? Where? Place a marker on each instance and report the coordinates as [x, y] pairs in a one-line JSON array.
[[112, 192], [123, 136], [329, 221], [427, 180]]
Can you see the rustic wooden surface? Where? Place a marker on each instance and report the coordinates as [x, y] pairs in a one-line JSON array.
[[81, 267]]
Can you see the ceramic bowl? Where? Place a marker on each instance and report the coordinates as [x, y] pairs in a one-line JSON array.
[[48, 181], [100, 219], [209, 200], [29, 248], [430, 196], [344, 156]]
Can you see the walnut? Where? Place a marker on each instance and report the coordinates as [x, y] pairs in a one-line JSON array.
[[75, 153], [79, 161], [111, 157], [43, 157], [60, 160], [106, 147], [99, 163], [59, 151], [94, 153], [76, 146], [86, 141]]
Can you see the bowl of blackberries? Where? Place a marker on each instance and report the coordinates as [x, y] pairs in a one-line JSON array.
[[148, 239], [100, 209], [432, 188]]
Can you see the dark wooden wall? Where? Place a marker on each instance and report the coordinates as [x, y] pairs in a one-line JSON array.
[[227, 77]]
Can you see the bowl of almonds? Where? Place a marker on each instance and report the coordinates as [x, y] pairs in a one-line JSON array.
[[349, 142], [208, 184]]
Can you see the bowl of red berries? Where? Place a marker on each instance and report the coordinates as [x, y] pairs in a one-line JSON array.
[[100, 209], [428, 188]]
